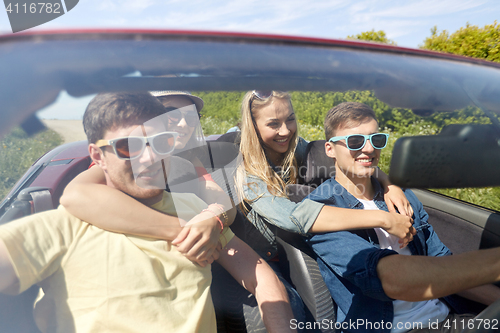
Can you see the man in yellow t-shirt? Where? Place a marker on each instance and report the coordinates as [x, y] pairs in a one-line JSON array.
[[94, 280]]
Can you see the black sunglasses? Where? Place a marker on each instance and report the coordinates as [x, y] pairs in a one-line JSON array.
[[175, 115]]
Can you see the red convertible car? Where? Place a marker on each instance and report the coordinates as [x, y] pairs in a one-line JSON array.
[[36, 67]]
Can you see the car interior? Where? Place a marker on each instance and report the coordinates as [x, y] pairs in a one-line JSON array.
[[461, 227], [423, 83]]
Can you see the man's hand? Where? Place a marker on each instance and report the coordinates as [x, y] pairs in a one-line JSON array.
[[401, 227], [395, 199], [199, 239]]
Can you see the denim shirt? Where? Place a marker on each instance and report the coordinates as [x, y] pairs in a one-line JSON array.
[[348, 259], [268, 212]]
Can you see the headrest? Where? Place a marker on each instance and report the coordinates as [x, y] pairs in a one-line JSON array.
[[318, 166], [223, 153], [233, 137]]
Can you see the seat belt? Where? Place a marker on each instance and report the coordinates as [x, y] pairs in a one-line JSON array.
[[42, 201]]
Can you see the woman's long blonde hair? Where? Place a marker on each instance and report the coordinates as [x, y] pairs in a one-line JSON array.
[[253, 154]]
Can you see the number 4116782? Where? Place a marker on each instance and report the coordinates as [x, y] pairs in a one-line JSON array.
[[34, 7]]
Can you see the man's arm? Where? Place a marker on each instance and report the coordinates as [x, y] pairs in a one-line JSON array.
[[440, 274], [114, 210], [332, 219], [486, 294], [417, 278], [314, 216], [253, 273], [9, 283]]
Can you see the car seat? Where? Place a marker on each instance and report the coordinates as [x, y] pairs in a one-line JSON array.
[[305, 274], [301, 267]]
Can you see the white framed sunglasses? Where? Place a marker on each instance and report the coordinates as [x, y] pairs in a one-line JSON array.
[[261, 95], [131, 147]]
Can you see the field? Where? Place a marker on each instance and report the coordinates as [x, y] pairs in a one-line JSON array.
[[221, 112]]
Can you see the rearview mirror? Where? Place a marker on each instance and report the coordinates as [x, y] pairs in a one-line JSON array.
[[460, 156]]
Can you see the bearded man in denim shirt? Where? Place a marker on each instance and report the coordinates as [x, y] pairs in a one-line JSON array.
[[378, 285]]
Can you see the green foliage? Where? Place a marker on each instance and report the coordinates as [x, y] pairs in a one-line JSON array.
[[373, 36], [311, 132], [470, 41], [488, 197], [463, 116], [18, 152], [212, 125], [311, 108], [222, 105]]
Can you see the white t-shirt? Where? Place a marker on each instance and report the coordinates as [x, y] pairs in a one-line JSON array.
[[407, 314]]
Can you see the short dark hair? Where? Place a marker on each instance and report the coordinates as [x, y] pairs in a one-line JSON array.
[[347, 114], [108, 110]]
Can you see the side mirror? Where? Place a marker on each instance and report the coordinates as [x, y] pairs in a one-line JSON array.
[[460, 156]]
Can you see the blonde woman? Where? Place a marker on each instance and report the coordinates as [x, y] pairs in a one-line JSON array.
[[115, 211]]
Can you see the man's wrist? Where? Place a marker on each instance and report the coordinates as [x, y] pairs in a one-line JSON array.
[[172, 230]]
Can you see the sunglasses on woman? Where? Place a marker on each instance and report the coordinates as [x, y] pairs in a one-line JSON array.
[[358, 141], [131, 147], [175, 115]]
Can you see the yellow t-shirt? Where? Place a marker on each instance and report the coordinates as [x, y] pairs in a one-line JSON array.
[[93, 280]]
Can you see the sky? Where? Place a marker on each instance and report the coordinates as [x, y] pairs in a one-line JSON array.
[[407, 22]]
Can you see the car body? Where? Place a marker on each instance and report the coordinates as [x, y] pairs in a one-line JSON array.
[[36, 67]]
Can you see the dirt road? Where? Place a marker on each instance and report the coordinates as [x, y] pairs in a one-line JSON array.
[[70, 130]]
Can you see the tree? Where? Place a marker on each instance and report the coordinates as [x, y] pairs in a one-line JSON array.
[[470, 41], [373, 36]]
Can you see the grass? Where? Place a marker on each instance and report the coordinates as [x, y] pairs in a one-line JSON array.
[[212, 125], [18, 152], [488, 197]]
